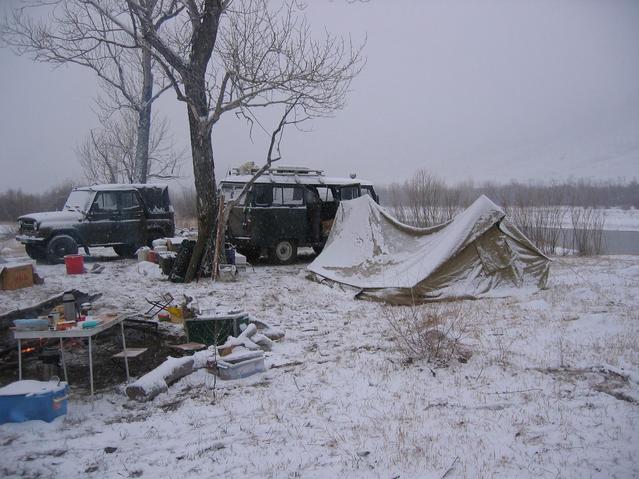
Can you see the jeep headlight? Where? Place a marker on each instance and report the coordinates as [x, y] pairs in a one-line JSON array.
[[36, 225]]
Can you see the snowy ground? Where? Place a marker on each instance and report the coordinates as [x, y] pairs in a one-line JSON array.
[[538, 398], [621, 220]]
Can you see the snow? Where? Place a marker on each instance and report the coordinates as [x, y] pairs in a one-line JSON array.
[[621, 220], [30, 387], [154, 380], [146, 269], [615, 219], [53, 218], [7, 229], [295, 179], [539, 396], [121, 186], [535, 305], [357, 254]]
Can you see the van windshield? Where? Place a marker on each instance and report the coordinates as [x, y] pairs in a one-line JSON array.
[[349, 192], [368, 190]]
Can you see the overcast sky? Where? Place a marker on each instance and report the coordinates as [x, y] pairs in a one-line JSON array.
[[503, 90]]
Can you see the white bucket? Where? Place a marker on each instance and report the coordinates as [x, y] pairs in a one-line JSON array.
[[143, 253]]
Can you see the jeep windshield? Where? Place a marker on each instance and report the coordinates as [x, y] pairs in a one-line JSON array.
[[79, 200]]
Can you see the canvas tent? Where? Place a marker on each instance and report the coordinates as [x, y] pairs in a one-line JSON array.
[[478, 253]]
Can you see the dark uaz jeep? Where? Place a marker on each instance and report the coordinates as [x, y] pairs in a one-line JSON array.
[[122, 216]]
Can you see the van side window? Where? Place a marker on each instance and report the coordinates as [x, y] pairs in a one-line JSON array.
[[288, 195], [263, 195], [325, 193]]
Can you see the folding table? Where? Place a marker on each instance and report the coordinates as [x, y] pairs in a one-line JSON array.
[[76, 332]]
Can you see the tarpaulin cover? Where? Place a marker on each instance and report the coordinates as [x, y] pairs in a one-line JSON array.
[[478, 253]]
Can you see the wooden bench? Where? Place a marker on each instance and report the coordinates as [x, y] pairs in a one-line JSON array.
[[131, 353]]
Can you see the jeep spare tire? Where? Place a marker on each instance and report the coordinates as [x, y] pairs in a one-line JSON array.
[[59, 246], [284, 252]]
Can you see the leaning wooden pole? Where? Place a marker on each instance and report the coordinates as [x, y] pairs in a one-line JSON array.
[[219, 232]]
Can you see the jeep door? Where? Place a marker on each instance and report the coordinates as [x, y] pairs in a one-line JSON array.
[[101, 227]]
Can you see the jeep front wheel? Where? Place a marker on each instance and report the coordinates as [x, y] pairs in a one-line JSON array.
[[60, 246], [284, 252]]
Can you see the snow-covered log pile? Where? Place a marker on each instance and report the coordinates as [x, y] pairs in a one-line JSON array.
[[257, 337], [167, 373]]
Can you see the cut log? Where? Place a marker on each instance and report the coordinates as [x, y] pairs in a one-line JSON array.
[[250, 330], [262, 341], [268, 330], [159, 380]]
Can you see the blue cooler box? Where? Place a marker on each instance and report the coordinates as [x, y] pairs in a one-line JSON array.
[[27, 400]]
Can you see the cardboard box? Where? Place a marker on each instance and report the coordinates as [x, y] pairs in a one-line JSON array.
[[16, 276]]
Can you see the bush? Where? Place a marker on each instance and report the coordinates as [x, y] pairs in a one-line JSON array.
[[432, 332], [185, 206]]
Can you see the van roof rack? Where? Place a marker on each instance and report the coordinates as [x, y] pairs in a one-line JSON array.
[[281, 170]]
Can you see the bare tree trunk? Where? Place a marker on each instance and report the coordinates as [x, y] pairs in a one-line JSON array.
[[194, 79], [203, 171], [144, 120]]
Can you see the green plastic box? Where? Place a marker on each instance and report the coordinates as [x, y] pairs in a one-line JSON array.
[[211, 329]]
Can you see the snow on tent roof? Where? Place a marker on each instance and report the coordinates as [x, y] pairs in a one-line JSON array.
[[476, 254]]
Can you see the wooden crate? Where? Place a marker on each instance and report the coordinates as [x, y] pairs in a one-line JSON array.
[[16, 276]]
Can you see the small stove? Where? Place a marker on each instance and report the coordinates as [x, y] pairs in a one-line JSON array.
[[50, 362]]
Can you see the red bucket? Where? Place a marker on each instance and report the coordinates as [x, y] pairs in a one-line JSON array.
[[74, 263], [152, 256]]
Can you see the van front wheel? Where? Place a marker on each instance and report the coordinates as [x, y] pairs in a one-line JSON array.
[[284, 252]]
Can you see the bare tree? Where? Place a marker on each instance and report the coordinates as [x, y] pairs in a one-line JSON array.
[[70, 31], [426, 200], [108, 154], [223, 56]]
